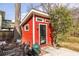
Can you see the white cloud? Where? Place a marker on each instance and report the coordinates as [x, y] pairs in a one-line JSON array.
[[23, 15], [40, 8]]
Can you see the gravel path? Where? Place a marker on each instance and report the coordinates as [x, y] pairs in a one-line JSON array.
[[60, 52]]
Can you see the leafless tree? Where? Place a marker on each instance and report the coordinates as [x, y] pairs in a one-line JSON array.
[[17, 32]]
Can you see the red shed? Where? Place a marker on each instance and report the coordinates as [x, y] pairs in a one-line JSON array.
[[36, 28]]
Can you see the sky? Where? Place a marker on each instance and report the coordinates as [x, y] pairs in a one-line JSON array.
[[9, 9]]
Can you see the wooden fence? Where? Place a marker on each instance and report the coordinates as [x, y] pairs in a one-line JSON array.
[[6, 35]]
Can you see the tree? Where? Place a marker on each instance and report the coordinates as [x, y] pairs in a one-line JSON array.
[[61, 21], [47, 7], [17, 29]]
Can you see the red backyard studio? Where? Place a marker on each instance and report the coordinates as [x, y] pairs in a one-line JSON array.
[[36, 28]]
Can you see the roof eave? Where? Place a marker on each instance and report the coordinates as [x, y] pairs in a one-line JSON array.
[[33, 12]]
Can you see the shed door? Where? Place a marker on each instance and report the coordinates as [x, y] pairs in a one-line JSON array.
[[42, 34]]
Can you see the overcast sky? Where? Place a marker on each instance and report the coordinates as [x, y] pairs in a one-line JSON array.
[[9, 9]]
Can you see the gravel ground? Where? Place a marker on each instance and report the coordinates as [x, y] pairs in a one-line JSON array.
[[60, 52]]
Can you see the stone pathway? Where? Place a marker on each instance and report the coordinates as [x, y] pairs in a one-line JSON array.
[[59, 52]]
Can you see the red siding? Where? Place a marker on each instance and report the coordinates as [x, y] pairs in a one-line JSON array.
[[27, 35], [49, 38]]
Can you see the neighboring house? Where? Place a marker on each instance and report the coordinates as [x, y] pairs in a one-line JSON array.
[[6, 28], [36, 28], [2, 16], [5, 24]]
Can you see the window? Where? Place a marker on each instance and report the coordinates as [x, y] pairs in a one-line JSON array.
[[39, 19], [26, 27]]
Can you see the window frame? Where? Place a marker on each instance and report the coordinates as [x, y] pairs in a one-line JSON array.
[[25, 27], [39, 18]]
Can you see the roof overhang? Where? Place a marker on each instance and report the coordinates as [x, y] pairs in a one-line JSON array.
[[35, 12]]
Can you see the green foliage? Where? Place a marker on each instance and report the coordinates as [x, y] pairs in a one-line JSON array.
[[61, 21]]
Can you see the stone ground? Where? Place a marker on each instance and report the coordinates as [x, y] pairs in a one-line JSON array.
[[59, 52]]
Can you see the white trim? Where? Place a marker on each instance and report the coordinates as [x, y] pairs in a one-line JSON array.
[[33, 30], [25, 27], [39, 18], [36, 12], [46, 33]]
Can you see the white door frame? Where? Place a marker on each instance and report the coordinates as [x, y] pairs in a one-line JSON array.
[[46, 33], [33, 29]]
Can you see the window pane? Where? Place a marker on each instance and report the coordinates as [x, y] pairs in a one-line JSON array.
[[43, 34], [40, 19], [26, 27]]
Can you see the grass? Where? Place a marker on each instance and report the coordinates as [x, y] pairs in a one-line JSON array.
[[72, 39], [71, 43]]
